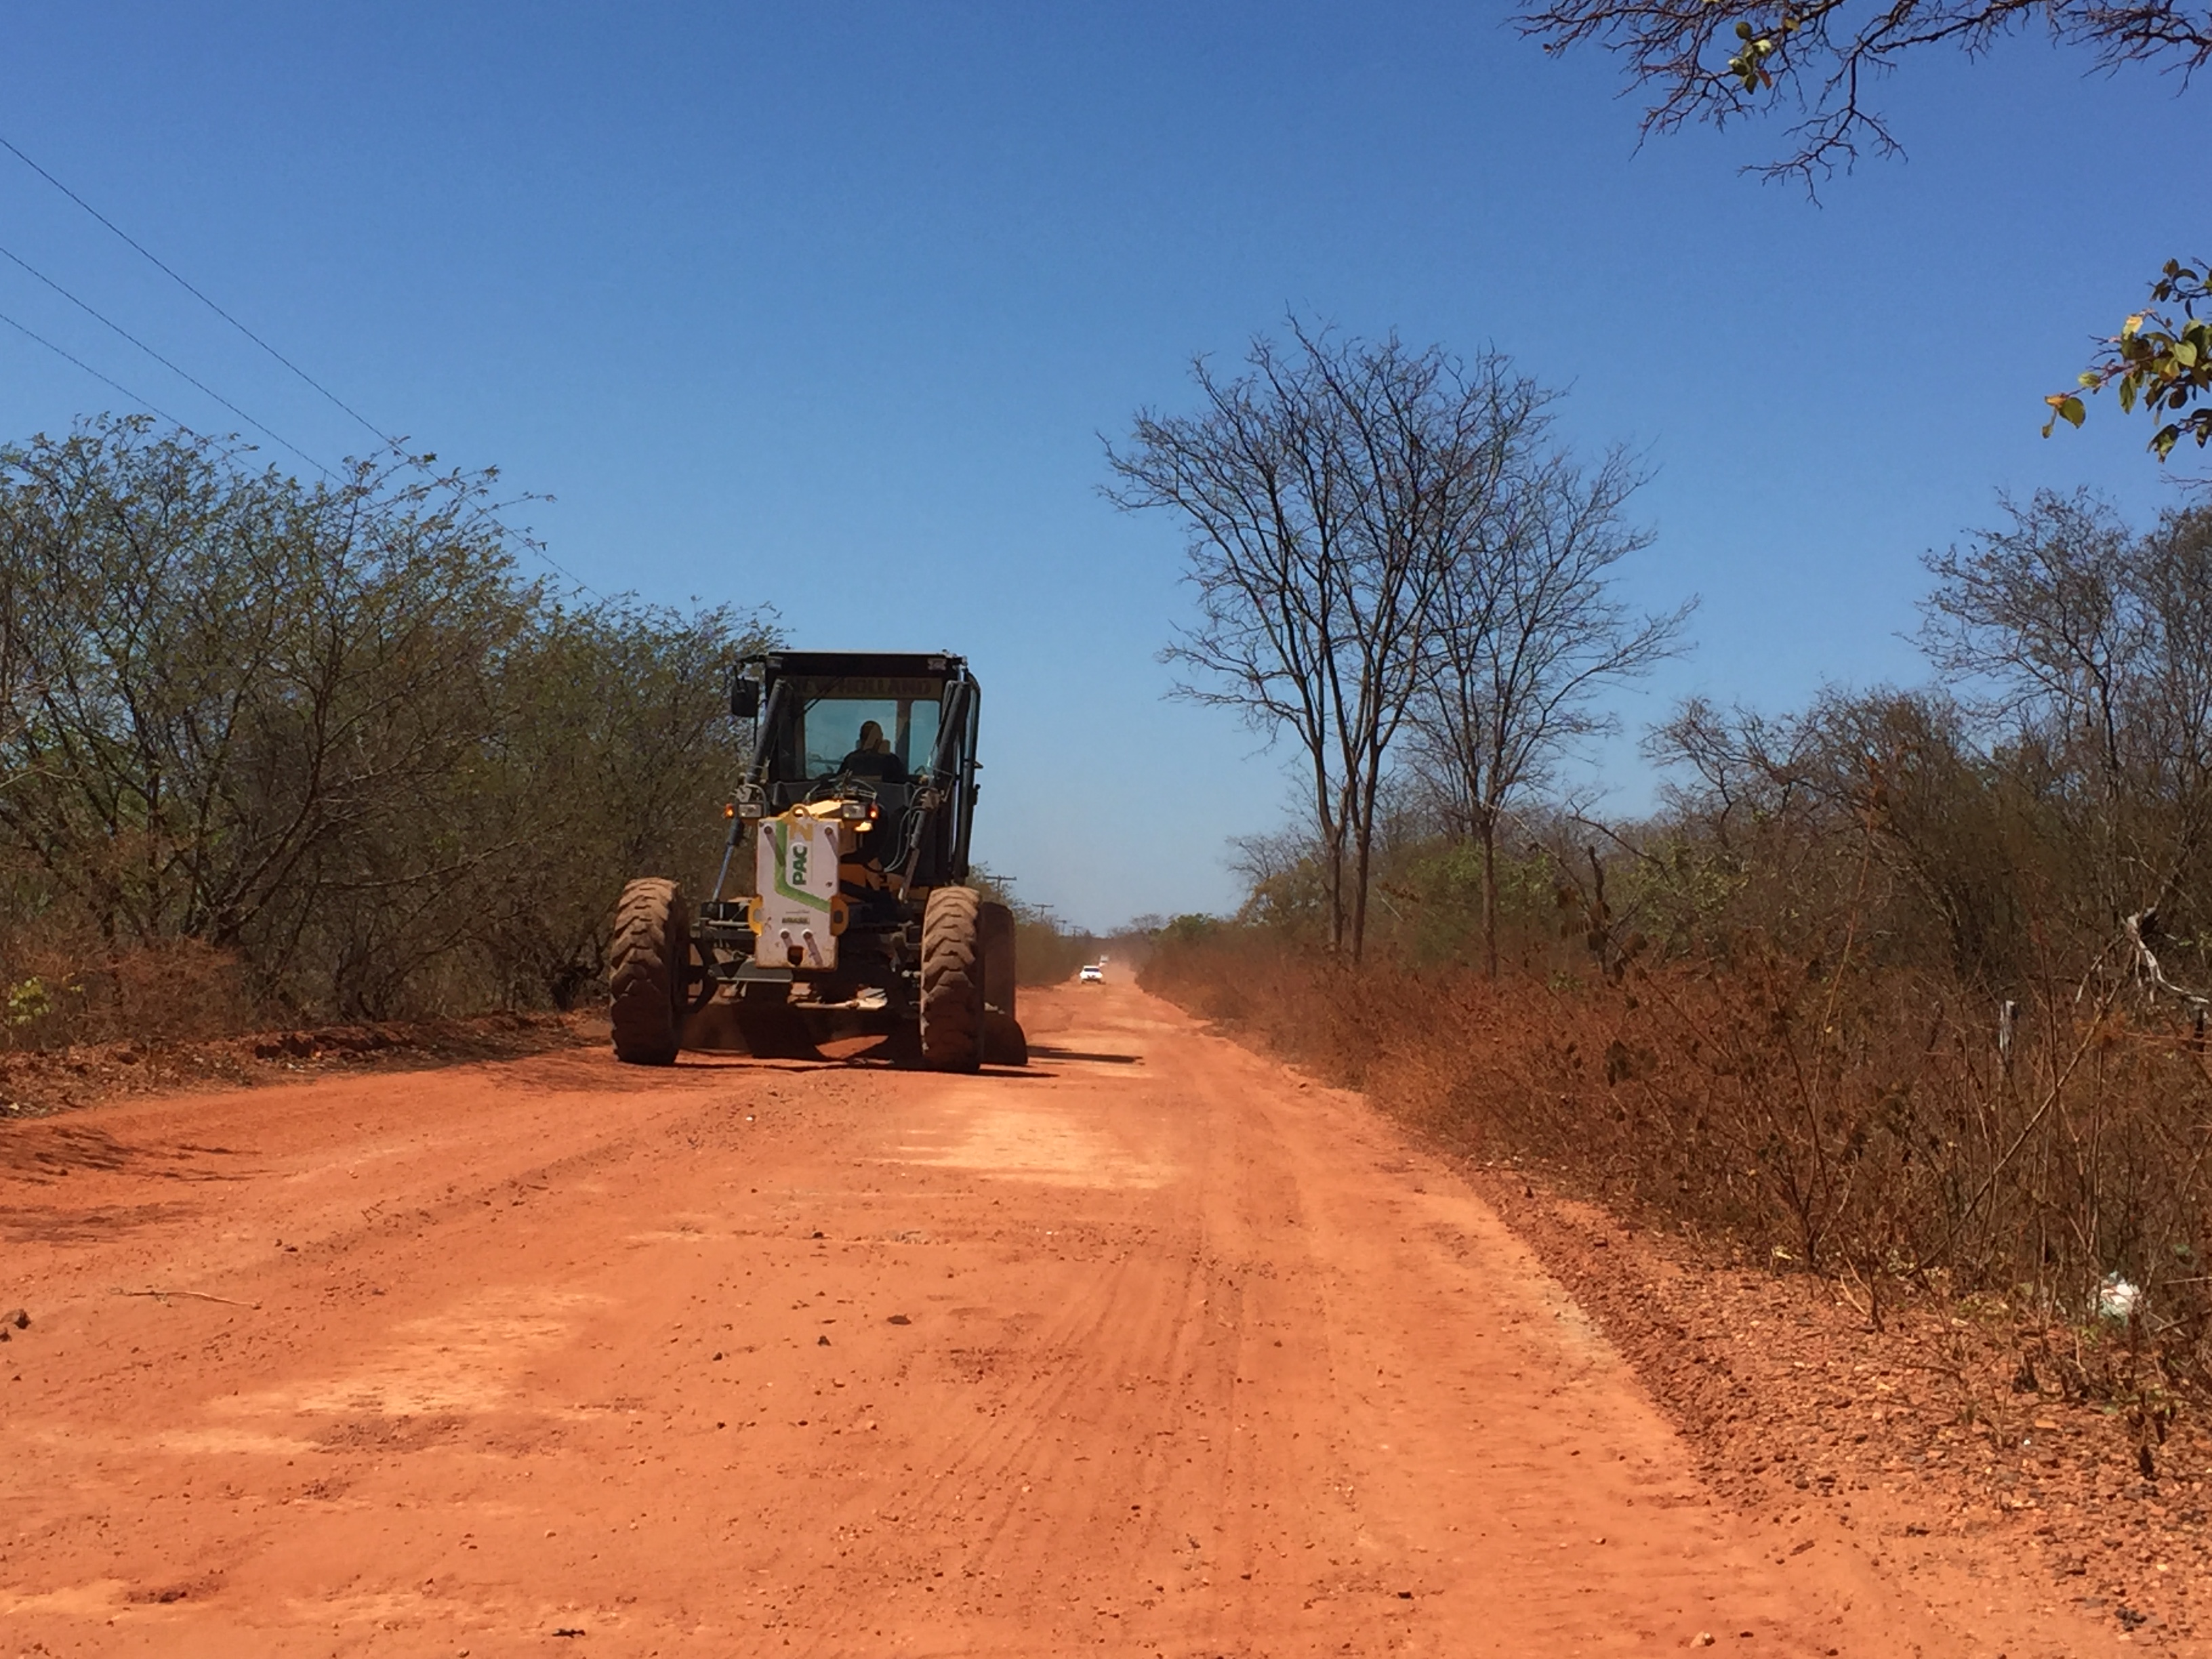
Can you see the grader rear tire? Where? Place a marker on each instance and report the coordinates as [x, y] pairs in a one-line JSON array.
[[1003, 1042], [648, 968], [996, 928], [951, 980]]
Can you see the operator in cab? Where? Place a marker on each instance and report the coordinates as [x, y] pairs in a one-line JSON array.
[[871, 756]]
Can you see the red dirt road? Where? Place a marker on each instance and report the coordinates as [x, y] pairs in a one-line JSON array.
[[1152, 1349]]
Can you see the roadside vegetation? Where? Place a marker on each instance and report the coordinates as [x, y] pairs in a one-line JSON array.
[[277, 751], [1908, 988], [1047, 950]]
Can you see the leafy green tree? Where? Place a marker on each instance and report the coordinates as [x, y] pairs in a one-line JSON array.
[[330, 731], [611, 760], [228, 680]]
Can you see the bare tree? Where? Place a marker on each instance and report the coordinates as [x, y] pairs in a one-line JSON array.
[[2093, 647], [1325, 492], [1704, 62], [1525, 633]]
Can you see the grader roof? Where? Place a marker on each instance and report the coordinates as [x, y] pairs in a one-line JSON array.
[[866, 664]]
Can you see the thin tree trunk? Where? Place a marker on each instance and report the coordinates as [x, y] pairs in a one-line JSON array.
[[1332, 842], [1489, 822], [1372, 784], [1359, 894]]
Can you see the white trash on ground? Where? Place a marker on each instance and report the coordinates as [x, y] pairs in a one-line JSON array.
[[2117, 1297]]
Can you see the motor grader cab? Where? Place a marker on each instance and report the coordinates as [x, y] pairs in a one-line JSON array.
[[842, 907]]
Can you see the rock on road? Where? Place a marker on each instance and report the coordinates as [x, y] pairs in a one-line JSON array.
[[1151, 1349]]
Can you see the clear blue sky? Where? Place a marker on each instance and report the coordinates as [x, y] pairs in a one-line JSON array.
[[827, 308]]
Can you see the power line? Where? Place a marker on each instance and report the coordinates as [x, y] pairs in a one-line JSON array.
[[535, 551], [88, 369], [148, 253], [161, 265], [561, 570], [166, 363]]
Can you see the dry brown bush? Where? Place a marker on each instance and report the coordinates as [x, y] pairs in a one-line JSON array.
[[1858, 1122], [63, 985]]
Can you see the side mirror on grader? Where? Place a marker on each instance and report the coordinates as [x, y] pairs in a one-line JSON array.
[[843, 907], [744, 693]]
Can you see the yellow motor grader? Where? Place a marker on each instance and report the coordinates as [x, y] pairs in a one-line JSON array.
[[843, 907]]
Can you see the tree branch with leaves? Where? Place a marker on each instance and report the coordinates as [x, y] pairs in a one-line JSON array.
[[1718, 61], [2160, 359]]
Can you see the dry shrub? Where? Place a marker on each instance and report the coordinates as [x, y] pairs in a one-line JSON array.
[[1861, 1123], [1045, 953], [62, 990], [173, 990]]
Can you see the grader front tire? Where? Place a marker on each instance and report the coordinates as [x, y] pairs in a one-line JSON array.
[[649, 967], [952, 981]]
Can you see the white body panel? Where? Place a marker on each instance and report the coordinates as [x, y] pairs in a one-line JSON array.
[[797, 872]]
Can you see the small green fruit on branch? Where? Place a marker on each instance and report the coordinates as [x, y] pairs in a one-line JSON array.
[[2159, 360], [1749, 66]]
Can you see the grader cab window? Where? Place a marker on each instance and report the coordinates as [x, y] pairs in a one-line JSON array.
[[829, 716]]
